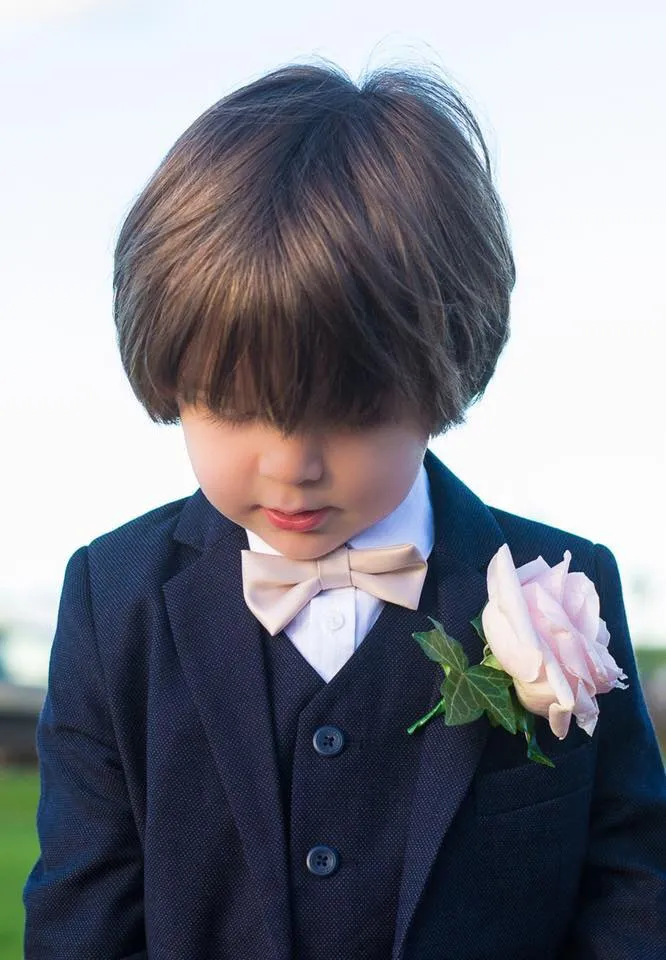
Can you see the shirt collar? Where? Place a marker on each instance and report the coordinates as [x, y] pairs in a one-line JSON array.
[[412, 521]]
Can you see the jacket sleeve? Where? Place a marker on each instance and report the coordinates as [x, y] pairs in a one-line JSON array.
[[84, 896], [622, 899]]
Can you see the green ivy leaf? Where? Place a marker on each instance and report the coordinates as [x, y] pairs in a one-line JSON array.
[[440, 647], [490, 690], [535, 753], [432, 645], [490, 660], [477, 623], [461, 701], [525, 723]]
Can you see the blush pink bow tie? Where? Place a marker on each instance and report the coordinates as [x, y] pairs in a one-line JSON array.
[[277, 588]]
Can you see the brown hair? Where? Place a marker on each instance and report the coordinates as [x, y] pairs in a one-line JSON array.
[[312, 252]]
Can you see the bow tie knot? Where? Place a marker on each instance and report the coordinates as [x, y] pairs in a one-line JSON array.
[[277, 588], [334, 570]]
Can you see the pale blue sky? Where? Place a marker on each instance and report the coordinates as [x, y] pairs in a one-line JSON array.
[[571, 97]]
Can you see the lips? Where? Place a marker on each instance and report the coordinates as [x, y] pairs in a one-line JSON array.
[[294, 513], [304, 520]]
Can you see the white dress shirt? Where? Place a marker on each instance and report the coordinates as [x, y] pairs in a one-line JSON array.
[[329, 629]]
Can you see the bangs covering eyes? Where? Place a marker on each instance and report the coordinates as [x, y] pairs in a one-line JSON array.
[[312, 254]]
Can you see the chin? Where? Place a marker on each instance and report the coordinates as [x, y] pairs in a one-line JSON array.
[[306, 546]]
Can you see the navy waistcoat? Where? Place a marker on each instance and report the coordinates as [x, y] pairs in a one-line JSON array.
[[356, 802]]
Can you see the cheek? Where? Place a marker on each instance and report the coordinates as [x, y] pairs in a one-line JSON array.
[[218, 469], [226, 487], [200, 458], [380, 480]]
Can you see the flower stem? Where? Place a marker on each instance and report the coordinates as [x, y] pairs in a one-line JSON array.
[[438, 708]]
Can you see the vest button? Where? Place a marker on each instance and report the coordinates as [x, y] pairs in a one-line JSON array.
[[322, 861], [328, 741]]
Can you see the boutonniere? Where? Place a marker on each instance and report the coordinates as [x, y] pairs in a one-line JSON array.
[[545, 653]]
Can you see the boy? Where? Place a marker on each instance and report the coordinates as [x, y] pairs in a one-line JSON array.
[[315, 281]]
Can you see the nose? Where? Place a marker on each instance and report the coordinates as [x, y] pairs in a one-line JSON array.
[[292, 460]]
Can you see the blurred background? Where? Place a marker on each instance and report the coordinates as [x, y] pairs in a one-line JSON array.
[[570, 431]]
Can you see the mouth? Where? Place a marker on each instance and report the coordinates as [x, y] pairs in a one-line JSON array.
[[304, 520]]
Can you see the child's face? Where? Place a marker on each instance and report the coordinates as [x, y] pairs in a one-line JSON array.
[[359, 476]]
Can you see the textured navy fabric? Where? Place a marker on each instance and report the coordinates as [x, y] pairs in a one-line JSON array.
[[171, 827], [358, 801]]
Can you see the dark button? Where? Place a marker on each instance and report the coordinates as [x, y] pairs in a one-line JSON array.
[[328, 741], [322, 861]]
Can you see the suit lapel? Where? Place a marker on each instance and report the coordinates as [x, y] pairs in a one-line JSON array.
[[219, 645], [466, 537]]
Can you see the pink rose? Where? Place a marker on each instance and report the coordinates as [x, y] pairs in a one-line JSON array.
[[542, 623]]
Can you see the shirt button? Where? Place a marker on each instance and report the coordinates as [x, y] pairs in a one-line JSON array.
[[328, 741], [322, 861], [335, 619]]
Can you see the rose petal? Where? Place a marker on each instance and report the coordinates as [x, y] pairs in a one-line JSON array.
[[517, 659], [517, 649], [536, 697], [586, 709], [597, 667], [549, 690], [603, 636], [557, 631], [609, 672], [588, 725], [559, 719], [554, 580], [581, 602], [532, 570], [560, 685]]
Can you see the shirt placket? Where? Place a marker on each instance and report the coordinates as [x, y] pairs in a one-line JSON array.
[[333, 628]]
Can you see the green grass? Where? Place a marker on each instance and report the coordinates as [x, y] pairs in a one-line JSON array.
[[650, 658], [19, 792]]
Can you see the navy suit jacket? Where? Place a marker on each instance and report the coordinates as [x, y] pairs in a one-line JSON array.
[[160, 823]]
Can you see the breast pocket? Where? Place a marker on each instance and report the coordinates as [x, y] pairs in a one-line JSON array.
[[534, 825], [533, 783]]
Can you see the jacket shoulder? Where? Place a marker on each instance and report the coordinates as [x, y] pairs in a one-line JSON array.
[[141, 551], [528, 539], [153, 526]]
